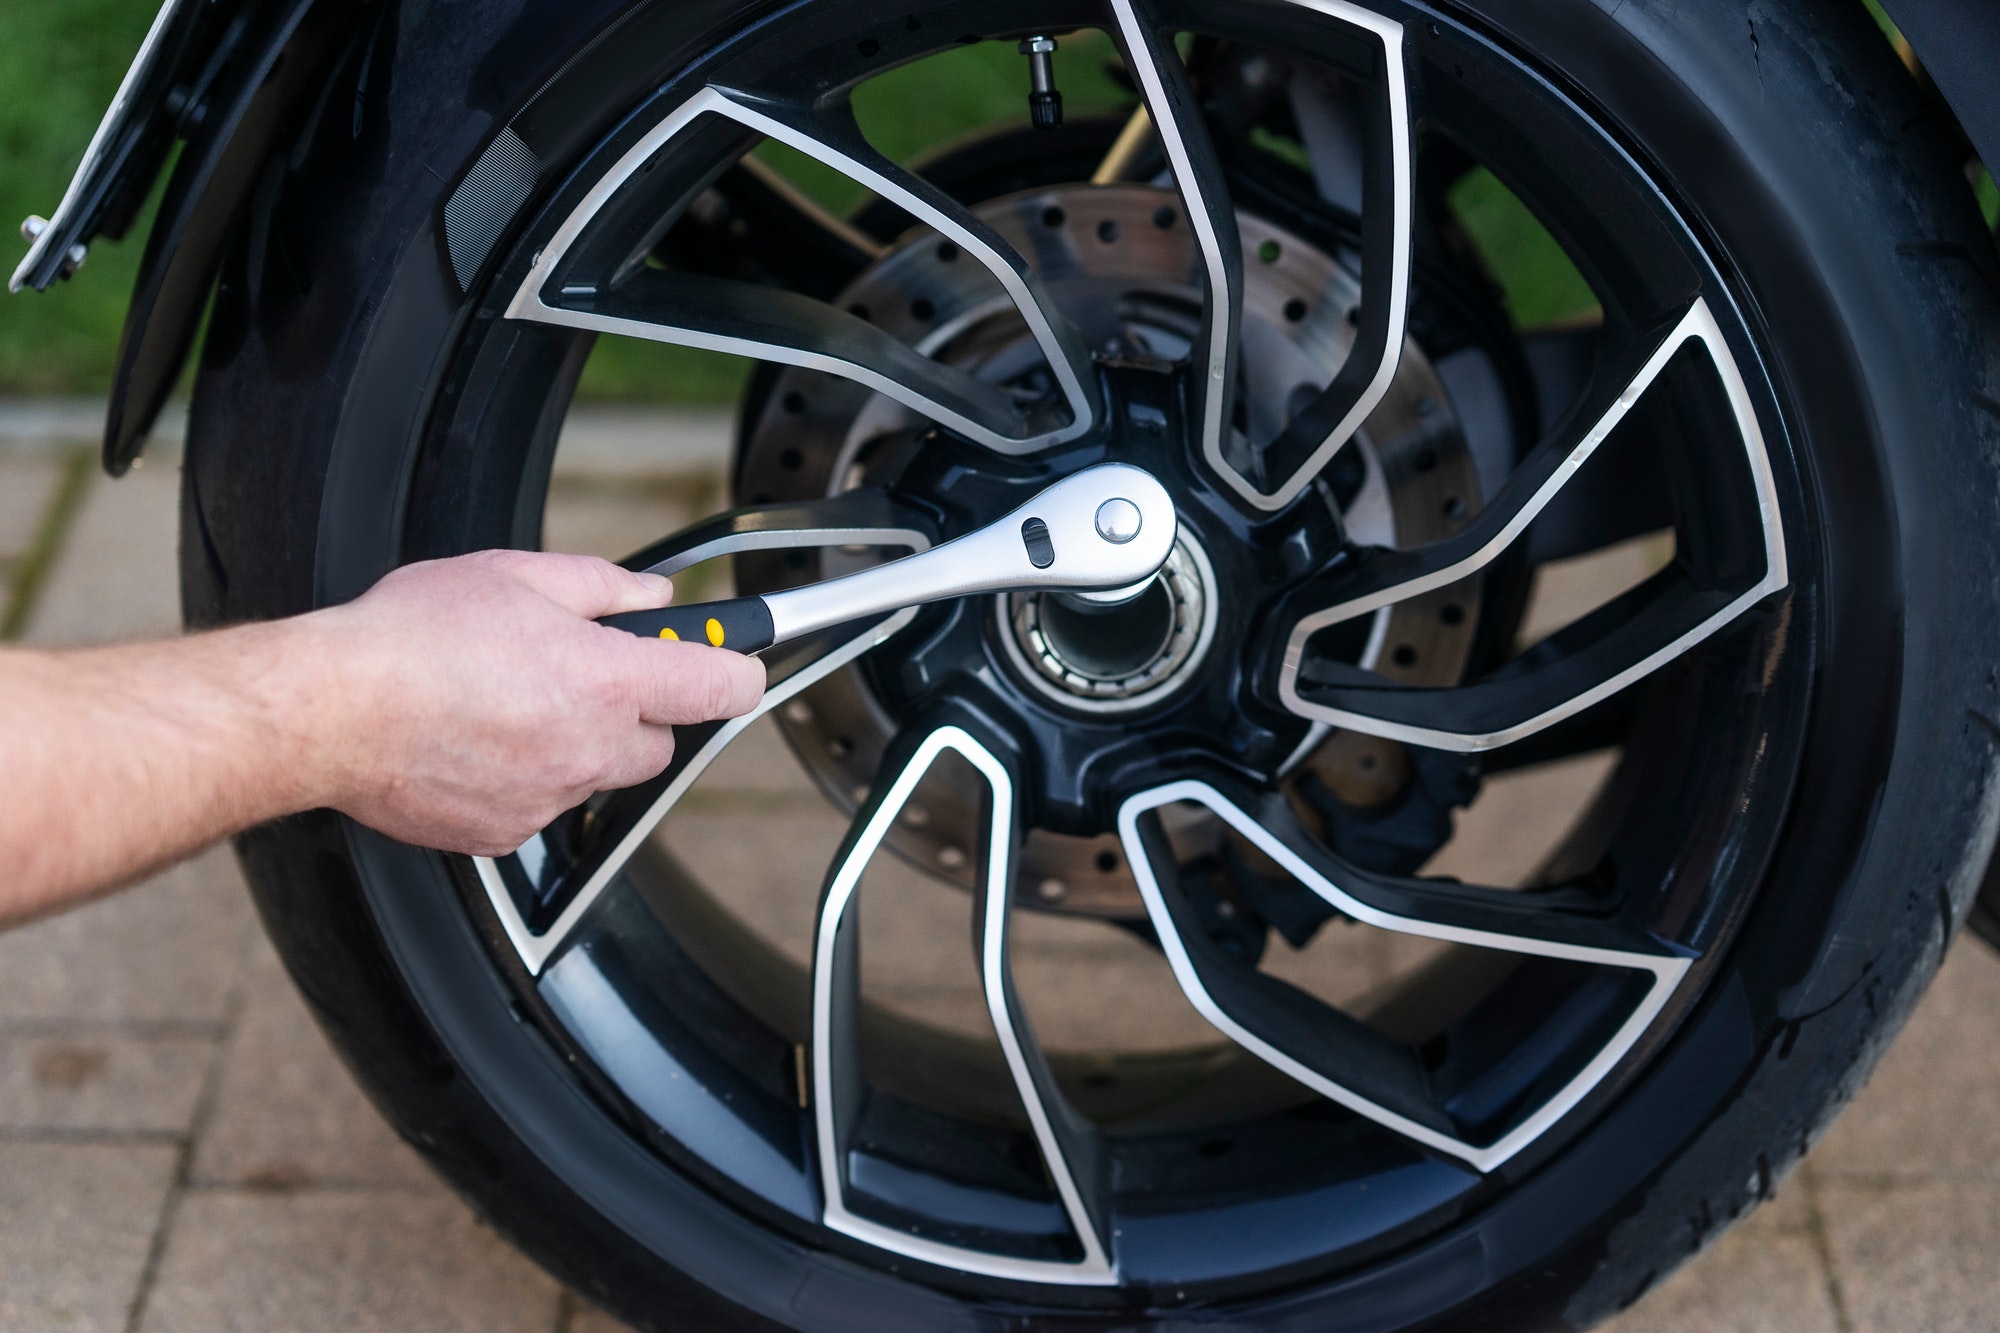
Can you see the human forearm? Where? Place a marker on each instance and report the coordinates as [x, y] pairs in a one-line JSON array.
[[460, 704], [123, 759]]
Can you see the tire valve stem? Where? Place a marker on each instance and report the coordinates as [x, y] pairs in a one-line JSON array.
[[1044, 102]]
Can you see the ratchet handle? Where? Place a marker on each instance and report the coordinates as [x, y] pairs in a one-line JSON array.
[[742, 624]]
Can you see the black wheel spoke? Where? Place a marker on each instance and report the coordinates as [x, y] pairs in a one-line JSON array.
[[1271, 475], [1067, 1145], [1329, 421], [729, 315], [1602, 654], [770, 230], [1333, 1053], [1175, 115]]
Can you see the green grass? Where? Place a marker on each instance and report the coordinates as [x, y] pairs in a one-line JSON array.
[[60, 62], [1987, 193], [1541, 285], [910, 110]]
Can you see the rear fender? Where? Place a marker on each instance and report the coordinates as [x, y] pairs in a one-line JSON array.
[[277, 81], [289, 61]]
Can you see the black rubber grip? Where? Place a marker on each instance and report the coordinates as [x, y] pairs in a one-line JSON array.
[[742, 624]]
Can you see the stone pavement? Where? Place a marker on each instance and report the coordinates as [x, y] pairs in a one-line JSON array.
[[180, 1150]]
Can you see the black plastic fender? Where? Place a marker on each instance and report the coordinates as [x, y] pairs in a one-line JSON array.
[[274, 78]]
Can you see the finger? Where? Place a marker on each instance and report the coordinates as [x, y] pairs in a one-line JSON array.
[[679, 683], [645, 755], [585, 585]]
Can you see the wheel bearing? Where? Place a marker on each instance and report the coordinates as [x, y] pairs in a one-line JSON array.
[[1119, 659]]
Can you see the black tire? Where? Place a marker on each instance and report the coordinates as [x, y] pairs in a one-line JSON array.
[[1985, 916], [1803, 158]]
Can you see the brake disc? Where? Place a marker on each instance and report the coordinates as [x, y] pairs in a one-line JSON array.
[[1121, 261]]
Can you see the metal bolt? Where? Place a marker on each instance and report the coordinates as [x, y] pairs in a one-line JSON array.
[[32, 228], [1118, 520], [1052, 890]]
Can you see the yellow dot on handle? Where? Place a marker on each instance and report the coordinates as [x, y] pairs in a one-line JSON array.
[[715, 631], [667, 632]]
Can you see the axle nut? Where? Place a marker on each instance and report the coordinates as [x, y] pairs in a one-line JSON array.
[[1118, 521]]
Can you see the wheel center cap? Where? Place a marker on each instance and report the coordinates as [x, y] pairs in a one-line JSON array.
[[1116, 659]]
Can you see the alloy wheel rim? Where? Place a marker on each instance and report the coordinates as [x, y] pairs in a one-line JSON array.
[[1345, 690]]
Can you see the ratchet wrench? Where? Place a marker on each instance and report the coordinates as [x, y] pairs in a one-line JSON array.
[[1101, 533]]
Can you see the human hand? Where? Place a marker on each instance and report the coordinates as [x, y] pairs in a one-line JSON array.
[[473, 701]]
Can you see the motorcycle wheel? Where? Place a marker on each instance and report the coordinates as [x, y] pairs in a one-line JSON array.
[[1557, 1084]]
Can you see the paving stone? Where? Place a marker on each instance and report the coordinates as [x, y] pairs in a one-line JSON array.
[[44, 424], [1789, 1210], [76, 1222], [1932, 1108], [759, 760], [1340, 964], [1091, 986], [26, 487], [610, 441], [1916, 1255], [589, 1319], [89, 1080], [612, 519], [1567, 589], [768, 879], [167, 952], [117, 576], [1503, 837], [338, 1260], [287, 1113], [1753, 1280]]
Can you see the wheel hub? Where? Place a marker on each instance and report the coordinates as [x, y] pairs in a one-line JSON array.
[[1116, 659], [1125, 269]]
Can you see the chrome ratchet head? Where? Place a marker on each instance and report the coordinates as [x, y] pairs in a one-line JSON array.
[[1103, 531]]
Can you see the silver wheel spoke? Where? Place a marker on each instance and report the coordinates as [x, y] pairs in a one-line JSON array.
[[1271, 475], [1065, 1141], [861, 518], [1331, 1052], [749, 320], [1518, 703]]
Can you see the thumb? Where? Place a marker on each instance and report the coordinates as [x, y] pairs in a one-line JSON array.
[[587, 586]]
